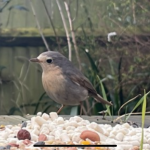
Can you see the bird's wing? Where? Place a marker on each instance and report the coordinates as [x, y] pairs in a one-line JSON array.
[[82, 81]]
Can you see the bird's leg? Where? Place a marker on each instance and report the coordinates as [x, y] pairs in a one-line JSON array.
[[93, 104], [82, 109], [60, 109]]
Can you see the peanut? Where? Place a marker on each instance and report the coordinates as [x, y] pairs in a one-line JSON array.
[[93, 136], [135, 148]]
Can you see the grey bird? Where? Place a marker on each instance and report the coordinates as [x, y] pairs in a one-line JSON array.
[[63, 82]]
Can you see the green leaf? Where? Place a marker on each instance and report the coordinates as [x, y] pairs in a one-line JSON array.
[[143, 120], [94, 67], [104, 95]]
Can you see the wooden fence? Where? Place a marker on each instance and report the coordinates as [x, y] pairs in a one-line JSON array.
[[20, 81]]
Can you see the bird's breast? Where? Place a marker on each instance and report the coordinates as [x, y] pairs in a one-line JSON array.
[[62, 90], [53, 83]]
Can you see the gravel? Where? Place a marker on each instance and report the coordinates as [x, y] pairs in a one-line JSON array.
[[53, 129]]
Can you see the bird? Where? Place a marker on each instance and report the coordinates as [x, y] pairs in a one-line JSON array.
[[63, 82]]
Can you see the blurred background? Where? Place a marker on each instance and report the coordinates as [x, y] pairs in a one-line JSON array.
[[79, 29]]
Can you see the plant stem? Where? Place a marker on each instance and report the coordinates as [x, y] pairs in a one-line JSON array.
[[143, 120], [119, 80], [66, 30], [38, 25], [127, 103], [138, 113], [73, 34]]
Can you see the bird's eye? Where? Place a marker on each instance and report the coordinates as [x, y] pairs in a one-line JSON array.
[[49, 60]]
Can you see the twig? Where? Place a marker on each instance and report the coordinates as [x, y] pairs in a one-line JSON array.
[[127, 103], [50, 19], [138, 113], [66, 30], [38, 25], [133, 10], [73, 34]]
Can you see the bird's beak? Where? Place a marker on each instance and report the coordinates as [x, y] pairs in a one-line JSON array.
[[35, 60]]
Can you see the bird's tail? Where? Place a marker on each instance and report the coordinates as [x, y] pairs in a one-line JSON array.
[[99, 99]]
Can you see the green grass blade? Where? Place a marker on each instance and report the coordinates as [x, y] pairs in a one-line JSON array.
[[111, 63], [39, 101], [104, 95], [94, 67], [143, 120]]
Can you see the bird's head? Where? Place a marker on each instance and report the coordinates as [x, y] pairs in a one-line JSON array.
[[50, 60]]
